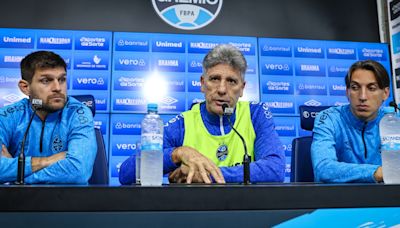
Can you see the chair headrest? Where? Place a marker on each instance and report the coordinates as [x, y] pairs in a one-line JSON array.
[[87, 100], [308, 114]]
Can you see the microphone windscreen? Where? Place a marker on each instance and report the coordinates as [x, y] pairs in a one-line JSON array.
[[37, 103]]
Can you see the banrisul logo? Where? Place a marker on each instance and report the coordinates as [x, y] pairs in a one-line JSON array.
[[187, 14]]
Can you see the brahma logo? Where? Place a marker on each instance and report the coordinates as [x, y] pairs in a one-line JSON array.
[[187, 14]]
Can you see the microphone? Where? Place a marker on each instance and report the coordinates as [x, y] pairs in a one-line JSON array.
[[227, 111], [36, 105], [393, 104]]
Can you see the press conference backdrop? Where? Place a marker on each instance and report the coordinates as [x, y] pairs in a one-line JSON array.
[[113, 66]]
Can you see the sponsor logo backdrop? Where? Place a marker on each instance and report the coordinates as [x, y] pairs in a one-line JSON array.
[[113, 66]]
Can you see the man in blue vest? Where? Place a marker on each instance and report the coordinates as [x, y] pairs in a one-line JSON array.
[[200, 146], [346, 142]]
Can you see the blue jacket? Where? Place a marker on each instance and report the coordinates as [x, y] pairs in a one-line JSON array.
[[269, 165], [70, 129], [344, 148]]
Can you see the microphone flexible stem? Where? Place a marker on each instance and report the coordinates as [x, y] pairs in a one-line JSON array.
[[246, 157], [21, 156]]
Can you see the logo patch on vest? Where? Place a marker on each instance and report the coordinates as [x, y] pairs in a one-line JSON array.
[[222, 152]]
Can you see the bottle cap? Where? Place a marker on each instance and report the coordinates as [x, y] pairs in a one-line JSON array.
[[388, 109], [152, 107]]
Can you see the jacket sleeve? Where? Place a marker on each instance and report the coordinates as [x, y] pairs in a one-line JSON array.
[[269, 164], [8, 166], [174, 132], [325, 162], [77, 166]]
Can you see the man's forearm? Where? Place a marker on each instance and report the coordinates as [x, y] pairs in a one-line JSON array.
[[39, 163]]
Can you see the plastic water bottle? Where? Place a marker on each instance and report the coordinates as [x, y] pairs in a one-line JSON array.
[[151, 159], [389, 128]]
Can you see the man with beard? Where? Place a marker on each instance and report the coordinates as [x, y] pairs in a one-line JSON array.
[[60, 146]]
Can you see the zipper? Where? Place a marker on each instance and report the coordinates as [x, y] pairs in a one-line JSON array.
[[41, 136], [362, 134], [221, 125]]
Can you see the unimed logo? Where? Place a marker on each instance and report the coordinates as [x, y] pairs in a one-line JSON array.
[[187, 14]]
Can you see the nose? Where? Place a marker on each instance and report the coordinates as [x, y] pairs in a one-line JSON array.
[[222, 88], [56, 86], [363, 94]]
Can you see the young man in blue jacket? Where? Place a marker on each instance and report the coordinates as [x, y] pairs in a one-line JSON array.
[[346, 142], [200, 146], [60, 146]]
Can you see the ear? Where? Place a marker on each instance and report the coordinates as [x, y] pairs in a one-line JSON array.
[[386, 93], [24, 87], [242, 89], [202, 83]]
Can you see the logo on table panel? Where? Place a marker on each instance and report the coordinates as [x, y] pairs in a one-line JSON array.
[[132, 45], [54, 42], [17, 41], [187, 15]]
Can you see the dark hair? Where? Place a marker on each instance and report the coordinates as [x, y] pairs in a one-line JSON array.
[[40, 60], [381, 75], [225, 54]]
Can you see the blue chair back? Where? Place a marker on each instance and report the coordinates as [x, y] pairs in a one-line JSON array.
[[301, 165], [100, 167]]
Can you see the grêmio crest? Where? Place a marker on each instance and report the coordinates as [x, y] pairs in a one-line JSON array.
[[187, 14]]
